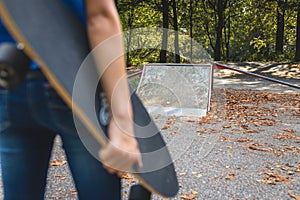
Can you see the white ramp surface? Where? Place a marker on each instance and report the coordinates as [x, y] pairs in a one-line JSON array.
[[176, 89]]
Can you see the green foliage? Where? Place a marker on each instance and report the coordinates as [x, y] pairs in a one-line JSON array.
[[248, 32], [258, 43]]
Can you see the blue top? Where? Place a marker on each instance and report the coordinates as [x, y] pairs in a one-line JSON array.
[[4, 35], [76, 6]]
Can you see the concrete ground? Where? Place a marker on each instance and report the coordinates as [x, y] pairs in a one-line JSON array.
[[247, 147]]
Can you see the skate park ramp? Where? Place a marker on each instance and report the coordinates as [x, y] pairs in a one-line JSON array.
[[176, 89]]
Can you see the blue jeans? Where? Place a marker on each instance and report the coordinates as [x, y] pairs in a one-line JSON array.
[[30, 118]]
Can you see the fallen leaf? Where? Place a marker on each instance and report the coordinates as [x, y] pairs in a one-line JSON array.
[[61, 177], [230, 177], [284, 136], [208, 131], [74, 192], [173, 133], [290, 173], [244, 140], [252, 147], [278, 166], [187, 196], [222, 138], [230, 154], [190, 120], [182, 174], [165, 127], [128, 178], [199, 175], [170, 122], [195, 192], [289, 130], [226, 126], [250, 131], [55, 163]]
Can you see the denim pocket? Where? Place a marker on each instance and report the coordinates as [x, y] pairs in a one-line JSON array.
[[61, 114], [4, 110]]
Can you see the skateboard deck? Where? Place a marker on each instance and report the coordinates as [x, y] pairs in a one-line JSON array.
[[56, 39]]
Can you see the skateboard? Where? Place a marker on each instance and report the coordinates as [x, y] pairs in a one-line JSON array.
[[53, 36]]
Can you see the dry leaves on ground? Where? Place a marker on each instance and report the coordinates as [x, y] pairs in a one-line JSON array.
[[277, 152], [129, 178], [55, 163], [274, 178], [246, 108], [230, 177], [188, 196], [285, 136], [74, 192], [278, 173]]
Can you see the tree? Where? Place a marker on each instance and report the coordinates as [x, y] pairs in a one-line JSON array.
[[281, 8], [164, 45], [215, 24], [297, 54], [176, 39], [191, 29], [233, 30], [221, 5]]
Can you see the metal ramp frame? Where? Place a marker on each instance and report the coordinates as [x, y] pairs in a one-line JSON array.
[[176, 89]]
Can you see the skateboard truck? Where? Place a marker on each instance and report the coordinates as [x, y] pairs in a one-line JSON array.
[[104, 115], [14, 64]]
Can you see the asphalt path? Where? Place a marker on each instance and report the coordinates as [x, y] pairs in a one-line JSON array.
[[229, 154]]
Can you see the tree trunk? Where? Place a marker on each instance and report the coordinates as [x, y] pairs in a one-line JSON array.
[[280, 26], [219, 29], [129, 39], [176, 39], [227, 35], [297, 54], [163, 51], [191, 30]]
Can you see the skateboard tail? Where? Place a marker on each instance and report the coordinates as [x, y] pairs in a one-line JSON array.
[[167, 193]]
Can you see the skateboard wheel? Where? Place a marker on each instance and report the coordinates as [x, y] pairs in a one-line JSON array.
[[14, 64], [138, 192], [104, 116]]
